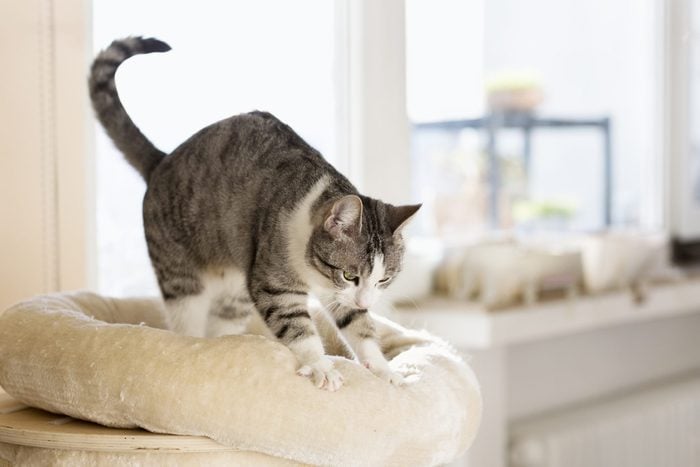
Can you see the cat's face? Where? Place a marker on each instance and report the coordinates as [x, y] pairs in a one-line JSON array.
[[358, 249]]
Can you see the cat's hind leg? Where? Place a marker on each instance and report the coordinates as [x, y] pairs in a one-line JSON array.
[[231, 306], [229, 315], [188, 314], [187, 300]]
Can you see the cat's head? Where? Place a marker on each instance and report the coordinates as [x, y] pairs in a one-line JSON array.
[[357, 248]]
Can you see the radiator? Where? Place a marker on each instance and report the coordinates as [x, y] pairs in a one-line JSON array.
[[654, 427]]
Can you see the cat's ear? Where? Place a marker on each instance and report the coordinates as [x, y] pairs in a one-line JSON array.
[[399, 216], [345, 217]]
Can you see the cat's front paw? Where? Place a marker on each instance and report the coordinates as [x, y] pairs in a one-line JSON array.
[[322, 374], [385, 373]]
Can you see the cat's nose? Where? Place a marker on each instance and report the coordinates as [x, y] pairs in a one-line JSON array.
[[363, 302], [363, 298]]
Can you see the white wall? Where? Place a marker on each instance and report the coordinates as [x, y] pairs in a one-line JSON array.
[[444, 59]]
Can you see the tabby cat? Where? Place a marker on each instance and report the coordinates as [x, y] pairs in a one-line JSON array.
[[245, 216]]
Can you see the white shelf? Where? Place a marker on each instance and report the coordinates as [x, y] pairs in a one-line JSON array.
[[467, 325]]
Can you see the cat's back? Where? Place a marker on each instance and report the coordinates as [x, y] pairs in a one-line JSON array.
[[245, 153], [237, 145], [227, 184], [250, 160]]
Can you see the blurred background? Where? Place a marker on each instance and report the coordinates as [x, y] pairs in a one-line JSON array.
[[553, 144]]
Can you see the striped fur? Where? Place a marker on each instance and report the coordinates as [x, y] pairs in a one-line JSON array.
[[139, 151], [245, 216]]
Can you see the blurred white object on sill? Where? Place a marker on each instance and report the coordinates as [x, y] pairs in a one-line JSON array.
[[496, 273], [500, 272], [620, 259]]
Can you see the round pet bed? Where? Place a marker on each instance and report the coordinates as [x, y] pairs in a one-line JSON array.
[[113, 362]]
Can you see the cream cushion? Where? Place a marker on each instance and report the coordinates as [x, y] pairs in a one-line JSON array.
[[113, 362]]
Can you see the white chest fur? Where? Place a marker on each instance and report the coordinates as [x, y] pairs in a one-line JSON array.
[[298, 230]]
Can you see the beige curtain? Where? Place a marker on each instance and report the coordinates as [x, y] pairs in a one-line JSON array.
[[46, 207]]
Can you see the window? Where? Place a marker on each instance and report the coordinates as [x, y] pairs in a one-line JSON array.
[[227, 58], [569, 67]]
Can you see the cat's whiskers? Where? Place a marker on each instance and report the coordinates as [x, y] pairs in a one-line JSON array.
[[390, 305], [333, 306]]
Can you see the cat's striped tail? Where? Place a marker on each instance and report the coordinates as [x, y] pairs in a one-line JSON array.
[[137, 149]]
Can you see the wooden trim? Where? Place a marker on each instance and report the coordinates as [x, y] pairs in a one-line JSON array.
[[75, 174], [47, 139], [26, 426]]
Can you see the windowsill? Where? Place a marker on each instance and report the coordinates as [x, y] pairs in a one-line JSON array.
[[468, 325]]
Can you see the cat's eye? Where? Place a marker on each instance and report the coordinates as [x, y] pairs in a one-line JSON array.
[[386, 279], [349, 277]]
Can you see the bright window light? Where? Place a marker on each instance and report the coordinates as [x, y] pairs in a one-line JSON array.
[[227, 58]]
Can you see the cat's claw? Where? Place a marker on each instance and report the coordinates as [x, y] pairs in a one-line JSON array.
[[392, 377], [322, 374], [385, 373]]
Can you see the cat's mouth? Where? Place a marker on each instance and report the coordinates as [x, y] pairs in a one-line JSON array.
[[352, 302]]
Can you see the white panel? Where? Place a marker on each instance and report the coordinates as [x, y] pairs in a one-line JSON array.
[[379, 141], [684, 213], [653, 427], [557, 372]]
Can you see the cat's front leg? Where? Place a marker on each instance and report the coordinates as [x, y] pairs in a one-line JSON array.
[[285, 311], [358, 328], [316, 365]]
